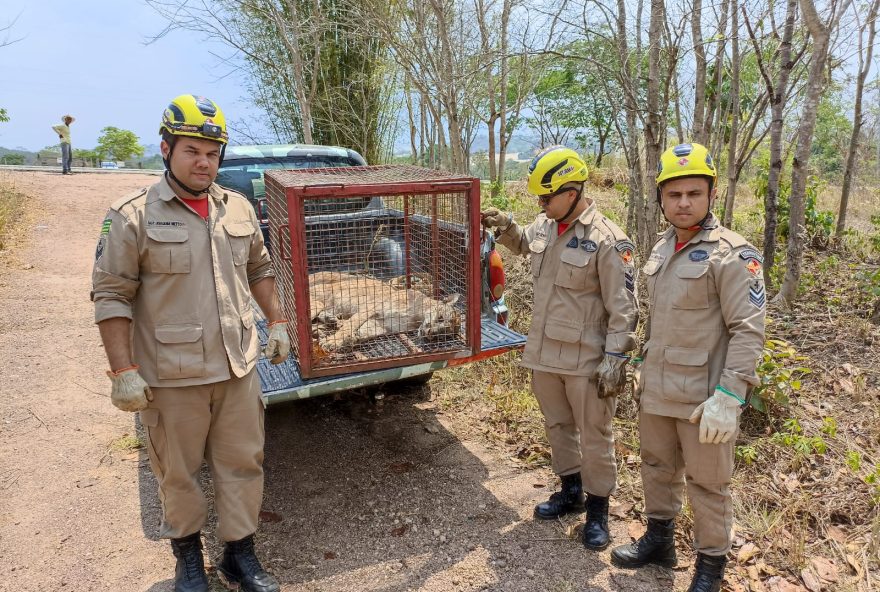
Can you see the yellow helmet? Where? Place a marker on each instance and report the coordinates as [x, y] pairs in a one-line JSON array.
[[553, 167], [686, 160], [195, 116]]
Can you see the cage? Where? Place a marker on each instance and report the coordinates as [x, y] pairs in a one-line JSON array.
[[378, 266]]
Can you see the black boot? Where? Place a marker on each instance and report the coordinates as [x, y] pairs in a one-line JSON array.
[[189, 575], [709, 573], [657, 545], [569, 500], [595, 534], [240, 567]]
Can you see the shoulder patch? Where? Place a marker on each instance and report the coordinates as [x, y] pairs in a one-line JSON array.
[[747, 254], [757, 294], [118, 204], [624, 245]]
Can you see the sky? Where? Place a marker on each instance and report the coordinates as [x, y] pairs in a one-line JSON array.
[[89, 58]]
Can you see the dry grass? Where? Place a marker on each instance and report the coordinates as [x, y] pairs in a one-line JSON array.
[[12, 205], [807, 483]]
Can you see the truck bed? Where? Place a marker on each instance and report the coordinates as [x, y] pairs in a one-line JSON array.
[[282, 382]]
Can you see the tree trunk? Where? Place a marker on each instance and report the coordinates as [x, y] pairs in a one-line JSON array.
[[732, 173], [816, 81], [864, 68], [778, 93], [653, 132], [699, 127], [635, 219], [411, 119], [713, 103]]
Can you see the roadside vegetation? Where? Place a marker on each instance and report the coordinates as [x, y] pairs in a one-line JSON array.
[[12, 208], [807, 481]]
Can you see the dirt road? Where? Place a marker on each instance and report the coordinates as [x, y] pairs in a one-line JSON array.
[[362, 493]]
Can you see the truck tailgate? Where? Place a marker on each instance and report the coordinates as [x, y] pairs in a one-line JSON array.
[[282, 382]]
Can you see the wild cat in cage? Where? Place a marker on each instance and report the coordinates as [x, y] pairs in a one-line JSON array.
[[353, 308]]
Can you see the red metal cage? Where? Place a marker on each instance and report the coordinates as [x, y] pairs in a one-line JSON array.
[[378, 266]]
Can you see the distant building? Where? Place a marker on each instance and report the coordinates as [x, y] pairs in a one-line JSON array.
[[53, 158]]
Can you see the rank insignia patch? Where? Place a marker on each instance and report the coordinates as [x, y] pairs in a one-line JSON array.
[[698, 255], [105, 227], [629, 279], [99, 250], [573, 243], [589, 246], [757, 295]]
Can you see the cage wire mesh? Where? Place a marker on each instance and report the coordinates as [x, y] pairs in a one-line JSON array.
[[386, 274]]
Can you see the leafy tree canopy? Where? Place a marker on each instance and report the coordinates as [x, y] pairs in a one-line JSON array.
[[118, 144]]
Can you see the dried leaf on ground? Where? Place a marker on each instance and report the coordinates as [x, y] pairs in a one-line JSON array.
[[854, 563], [747, 551], [810, 580], [635, 529], [825, 568], [836, 533], [620, 510], [778, 584], [766, 569]]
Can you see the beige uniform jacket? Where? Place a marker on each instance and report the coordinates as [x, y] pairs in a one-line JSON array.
[[584, 292], [184, 282], [706, 320]]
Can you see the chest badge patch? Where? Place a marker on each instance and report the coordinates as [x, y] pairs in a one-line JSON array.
[[589, 246], [698, 255], [572, 243]]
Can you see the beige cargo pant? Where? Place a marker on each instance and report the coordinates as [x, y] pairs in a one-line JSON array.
[[672, 456], [222, 424], [578, 425]]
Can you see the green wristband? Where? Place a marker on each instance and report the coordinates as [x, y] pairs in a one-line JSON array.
[[727, 392]]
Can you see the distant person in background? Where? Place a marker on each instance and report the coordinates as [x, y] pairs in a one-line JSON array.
[[63, 131]]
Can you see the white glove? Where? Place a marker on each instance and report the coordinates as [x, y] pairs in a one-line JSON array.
[[278, 346], [720, 417], [496, 219], [637, 379], [129, 392], [611, 374]]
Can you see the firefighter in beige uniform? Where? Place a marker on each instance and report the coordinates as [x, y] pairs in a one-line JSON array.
[[175, 269], [584, 317], [706, 331]]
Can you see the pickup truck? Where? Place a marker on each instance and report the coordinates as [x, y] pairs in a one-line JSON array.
[[243, 169]]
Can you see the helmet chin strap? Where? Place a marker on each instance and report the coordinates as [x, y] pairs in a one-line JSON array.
[[696, 226], [574, 204], [170, 173], [179, 183]]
